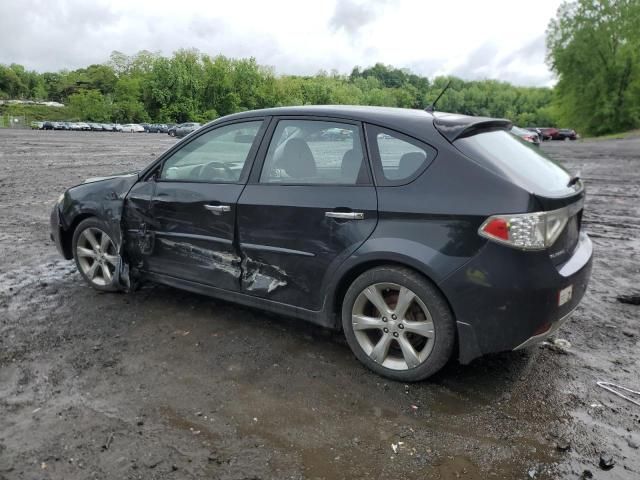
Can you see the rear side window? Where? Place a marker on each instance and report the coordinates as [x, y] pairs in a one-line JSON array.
[[314, 152], [518, 161], [398, 158]]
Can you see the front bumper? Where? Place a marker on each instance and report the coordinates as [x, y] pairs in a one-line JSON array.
[[505, 299], [56, 231]]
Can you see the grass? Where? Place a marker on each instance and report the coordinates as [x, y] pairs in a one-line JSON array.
[[617, 136], [30, 113]]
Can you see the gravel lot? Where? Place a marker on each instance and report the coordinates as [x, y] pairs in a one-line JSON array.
[[166, 384]]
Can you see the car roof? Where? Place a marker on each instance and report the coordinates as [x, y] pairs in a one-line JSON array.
[[418, 123], [358, 112], [411, 121]]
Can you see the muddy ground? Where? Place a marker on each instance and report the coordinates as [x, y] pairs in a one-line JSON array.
[[166, 384]]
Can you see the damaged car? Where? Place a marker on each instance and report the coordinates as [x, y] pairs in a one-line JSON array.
[[422, 236]]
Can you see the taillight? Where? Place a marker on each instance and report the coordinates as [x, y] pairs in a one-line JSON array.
[[528, 138], [528, 231]]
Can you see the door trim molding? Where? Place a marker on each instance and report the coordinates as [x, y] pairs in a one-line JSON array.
[[269, 248], [194, 236]]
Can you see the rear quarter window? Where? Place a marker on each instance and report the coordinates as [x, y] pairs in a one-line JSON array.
[[398, 159]]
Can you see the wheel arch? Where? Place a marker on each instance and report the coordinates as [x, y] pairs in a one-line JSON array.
[[347, 277], [66, 236]]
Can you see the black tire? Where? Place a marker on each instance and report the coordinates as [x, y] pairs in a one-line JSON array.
[[172, 134], [94, 224], [431, 298]]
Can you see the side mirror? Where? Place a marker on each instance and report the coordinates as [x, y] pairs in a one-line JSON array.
[[155, 176]]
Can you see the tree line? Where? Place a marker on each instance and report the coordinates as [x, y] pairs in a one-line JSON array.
[[593, 46], [192, 86]]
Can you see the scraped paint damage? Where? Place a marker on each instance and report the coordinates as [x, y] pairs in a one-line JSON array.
[[211, 259], [261, 277], [254, 275]]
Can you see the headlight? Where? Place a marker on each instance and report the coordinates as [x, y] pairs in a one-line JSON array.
[[60, 198]]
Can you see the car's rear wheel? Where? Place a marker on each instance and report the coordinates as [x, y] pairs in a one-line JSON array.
[[96, 254], [398, 324]]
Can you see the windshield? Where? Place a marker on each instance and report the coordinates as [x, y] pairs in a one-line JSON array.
[[518, 161]]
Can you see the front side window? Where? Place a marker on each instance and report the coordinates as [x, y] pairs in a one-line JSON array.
[[401, 157], [217, 156], [305, 152]]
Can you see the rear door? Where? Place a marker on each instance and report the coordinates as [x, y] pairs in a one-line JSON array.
[[190, 234], [309, 204]]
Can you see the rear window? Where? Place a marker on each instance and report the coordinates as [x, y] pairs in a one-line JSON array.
[[518, 161]]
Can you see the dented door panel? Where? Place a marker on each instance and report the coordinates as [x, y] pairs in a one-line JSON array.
[[190, 241], [289, 245], [138, 223]]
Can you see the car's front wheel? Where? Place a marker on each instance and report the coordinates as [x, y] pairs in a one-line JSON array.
[[398, 324], [96, 254]]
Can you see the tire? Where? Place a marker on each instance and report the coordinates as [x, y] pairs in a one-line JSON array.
[[431, 342], [172, 134], [95, 254]]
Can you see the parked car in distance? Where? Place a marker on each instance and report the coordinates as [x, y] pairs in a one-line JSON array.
[[171, 130], [548, 133], [48, 125], [537, 131], [565, 134], [132, 128], [185, 129], [157, 128], [421, 235], [36, 125], [526, 135]]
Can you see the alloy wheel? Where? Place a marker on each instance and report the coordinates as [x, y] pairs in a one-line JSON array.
[[97, 256], [393, 326]]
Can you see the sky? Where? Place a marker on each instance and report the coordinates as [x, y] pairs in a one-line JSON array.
[[479, 39]]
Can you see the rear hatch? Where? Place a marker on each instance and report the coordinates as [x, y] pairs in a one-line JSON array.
[[552, 186]]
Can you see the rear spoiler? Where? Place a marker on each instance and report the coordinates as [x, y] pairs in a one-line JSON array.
[[453, 126]]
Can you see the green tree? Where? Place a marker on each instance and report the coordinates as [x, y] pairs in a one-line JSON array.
[[90, 105], [594, 48]]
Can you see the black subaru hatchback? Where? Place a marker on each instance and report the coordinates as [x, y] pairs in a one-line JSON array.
[[421, 235]]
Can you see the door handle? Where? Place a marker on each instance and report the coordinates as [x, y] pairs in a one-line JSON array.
[[218, 208], [345, 215]]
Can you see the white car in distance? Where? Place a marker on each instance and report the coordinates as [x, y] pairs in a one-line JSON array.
[[132, 128]]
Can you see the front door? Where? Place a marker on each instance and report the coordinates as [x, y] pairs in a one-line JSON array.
[[190, 234], [308, 209]]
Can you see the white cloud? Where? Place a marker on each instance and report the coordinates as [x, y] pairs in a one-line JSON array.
[[490, 39]]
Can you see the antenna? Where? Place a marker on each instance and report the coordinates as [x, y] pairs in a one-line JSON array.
[[432, 107]]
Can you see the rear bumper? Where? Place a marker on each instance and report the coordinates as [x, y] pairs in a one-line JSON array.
[[506, 299], [546, 334]]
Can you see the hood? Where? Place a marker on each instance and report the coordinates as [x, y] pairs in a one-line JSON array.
[[109, 177]]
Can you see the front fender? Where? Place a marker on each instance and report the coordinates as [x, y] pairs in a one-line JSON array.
[[103, 199]]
